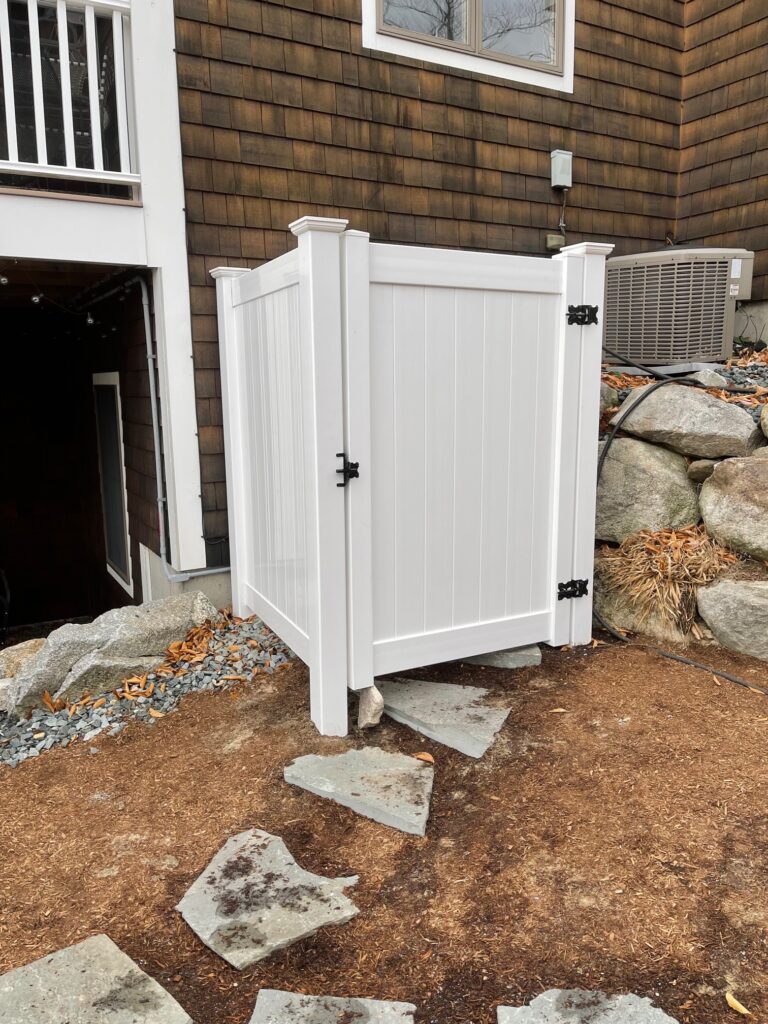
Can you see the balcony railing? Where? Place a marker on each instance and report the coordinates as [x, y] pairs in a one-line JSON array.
[[65, 93]]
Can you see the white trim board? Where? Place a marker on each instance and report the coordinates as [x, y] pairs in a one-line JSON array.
[[112, 380]]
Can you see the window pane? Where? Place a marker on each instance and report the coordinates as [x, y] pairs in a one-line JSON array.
[[441, 19], [111, 470], [521, 28]]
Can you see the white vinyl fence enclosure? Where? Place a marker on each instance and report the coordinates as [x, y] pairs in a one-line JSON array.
[[455, 382]]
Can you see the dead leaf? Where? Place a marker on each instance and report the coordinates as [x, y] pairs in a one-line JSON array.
[[424, 756], [99, 703], [156, 714], [734, 1004], [559, 711]]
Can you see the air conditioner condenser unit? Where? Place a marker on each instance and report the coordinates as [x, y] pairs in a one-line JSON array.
[[675, 306]]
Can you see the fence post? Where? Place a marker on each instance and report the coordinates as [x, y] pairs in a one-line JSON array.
[[322, 393], [234, 407], [356, 289], [576, 461]]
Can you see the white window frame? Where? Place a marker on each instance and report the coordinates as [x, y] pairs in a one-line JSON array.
[[436, 52], [112, 380]]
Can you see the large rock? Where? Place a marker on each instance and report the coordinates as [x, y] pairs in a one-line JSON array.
[[97, 655], [690, 421], [618, 611], [737, 613], [253, 899], [734, 505], [576, 1006], [764, 420], [13, 659], [643, 487], [90, 983]]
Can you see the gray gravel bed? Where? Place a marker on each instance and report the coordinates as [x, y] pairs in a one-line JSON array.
[[23, 739]]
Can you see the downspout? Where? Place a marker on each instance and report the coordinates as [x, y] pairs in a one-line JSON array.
[[168, 571]]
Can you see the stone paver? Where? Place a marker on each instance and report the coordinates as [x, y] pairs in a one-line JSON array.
[[253, 899], [515, 657], [275, 1007], [447, 712], [393, 789], [93, 982], [576, 1006]]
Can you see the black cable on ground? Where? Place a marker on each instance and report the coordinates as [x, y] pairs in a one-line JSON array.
[[662, 379]]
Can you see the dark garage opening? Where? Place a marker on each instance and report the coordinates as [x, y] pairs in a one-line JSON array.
[[64, 367]]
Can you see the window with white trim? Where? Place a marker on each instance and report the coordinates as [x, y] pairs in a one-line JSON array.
[[529, 41], [114, 495]]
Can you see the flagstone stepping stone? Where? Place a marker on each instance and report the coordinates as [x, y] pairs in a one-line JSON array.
[[93, 982], [577, 1006], [451, 714], [253, 899], [275, 1007], [393, 789], [515, 657]]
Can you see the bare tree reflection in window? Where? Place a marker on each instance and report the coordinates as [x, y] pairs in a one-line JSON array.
[[441, 19], [521, 28]]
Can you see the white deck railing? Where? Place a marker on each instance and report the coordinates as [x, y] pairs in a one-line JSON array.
[[66, 90]]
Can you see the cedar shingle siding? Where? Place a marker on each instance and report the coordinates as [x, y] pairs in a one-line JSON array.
[[724, 136], [285, 114]]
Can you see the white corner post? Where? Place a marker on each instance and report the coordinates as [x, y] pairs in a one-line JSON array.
[[234, 401], [323, 403], [158, 158], [355, 287], [578, 405]]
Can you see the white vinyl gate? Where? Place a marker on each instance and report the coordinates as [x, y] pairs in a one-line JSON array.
[[470, 405]]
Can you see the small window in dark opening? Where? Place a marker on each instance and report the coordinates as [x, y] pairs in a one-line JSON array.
[[106, 390]]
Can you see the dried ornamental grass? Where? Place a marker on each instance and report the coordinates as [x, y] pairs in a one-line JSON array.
[[661, 571]]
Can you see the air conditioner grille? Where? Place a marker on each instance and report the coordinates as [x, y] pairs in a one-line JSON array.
[[667, 312]]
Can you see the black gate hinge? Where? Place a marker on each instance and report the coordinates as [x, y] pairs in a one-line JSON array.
[[573, 588], [350, 470], [582, 315]]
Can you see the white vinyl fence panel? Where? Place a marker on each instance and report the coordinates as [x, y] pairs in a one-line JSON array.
[[471, 406]]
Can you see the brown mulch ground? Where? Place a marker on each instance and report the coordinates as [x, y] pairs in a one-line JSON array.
[[620, 843]]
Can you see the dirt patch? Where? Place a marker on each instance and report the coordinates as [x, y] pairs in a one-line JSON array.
[[615, 836]]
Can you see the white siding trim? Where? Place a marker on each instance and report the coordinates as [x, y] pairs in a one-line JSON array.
[[112, 380]]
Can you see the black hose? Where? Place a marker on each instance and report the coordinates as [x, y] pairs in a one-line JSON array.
[[662, 379]]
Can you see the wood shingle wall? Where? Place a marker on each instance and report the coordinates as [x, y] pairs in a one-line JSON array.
[[724, 135], [285, 114]]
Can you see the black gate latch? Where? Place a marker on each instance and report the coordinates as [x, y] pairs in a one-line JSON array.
[[350, 470], [582, 315], [573, 588]]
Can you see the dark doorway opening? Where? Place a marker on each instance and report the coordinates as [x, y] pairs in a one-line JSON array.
[[52, 527]]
